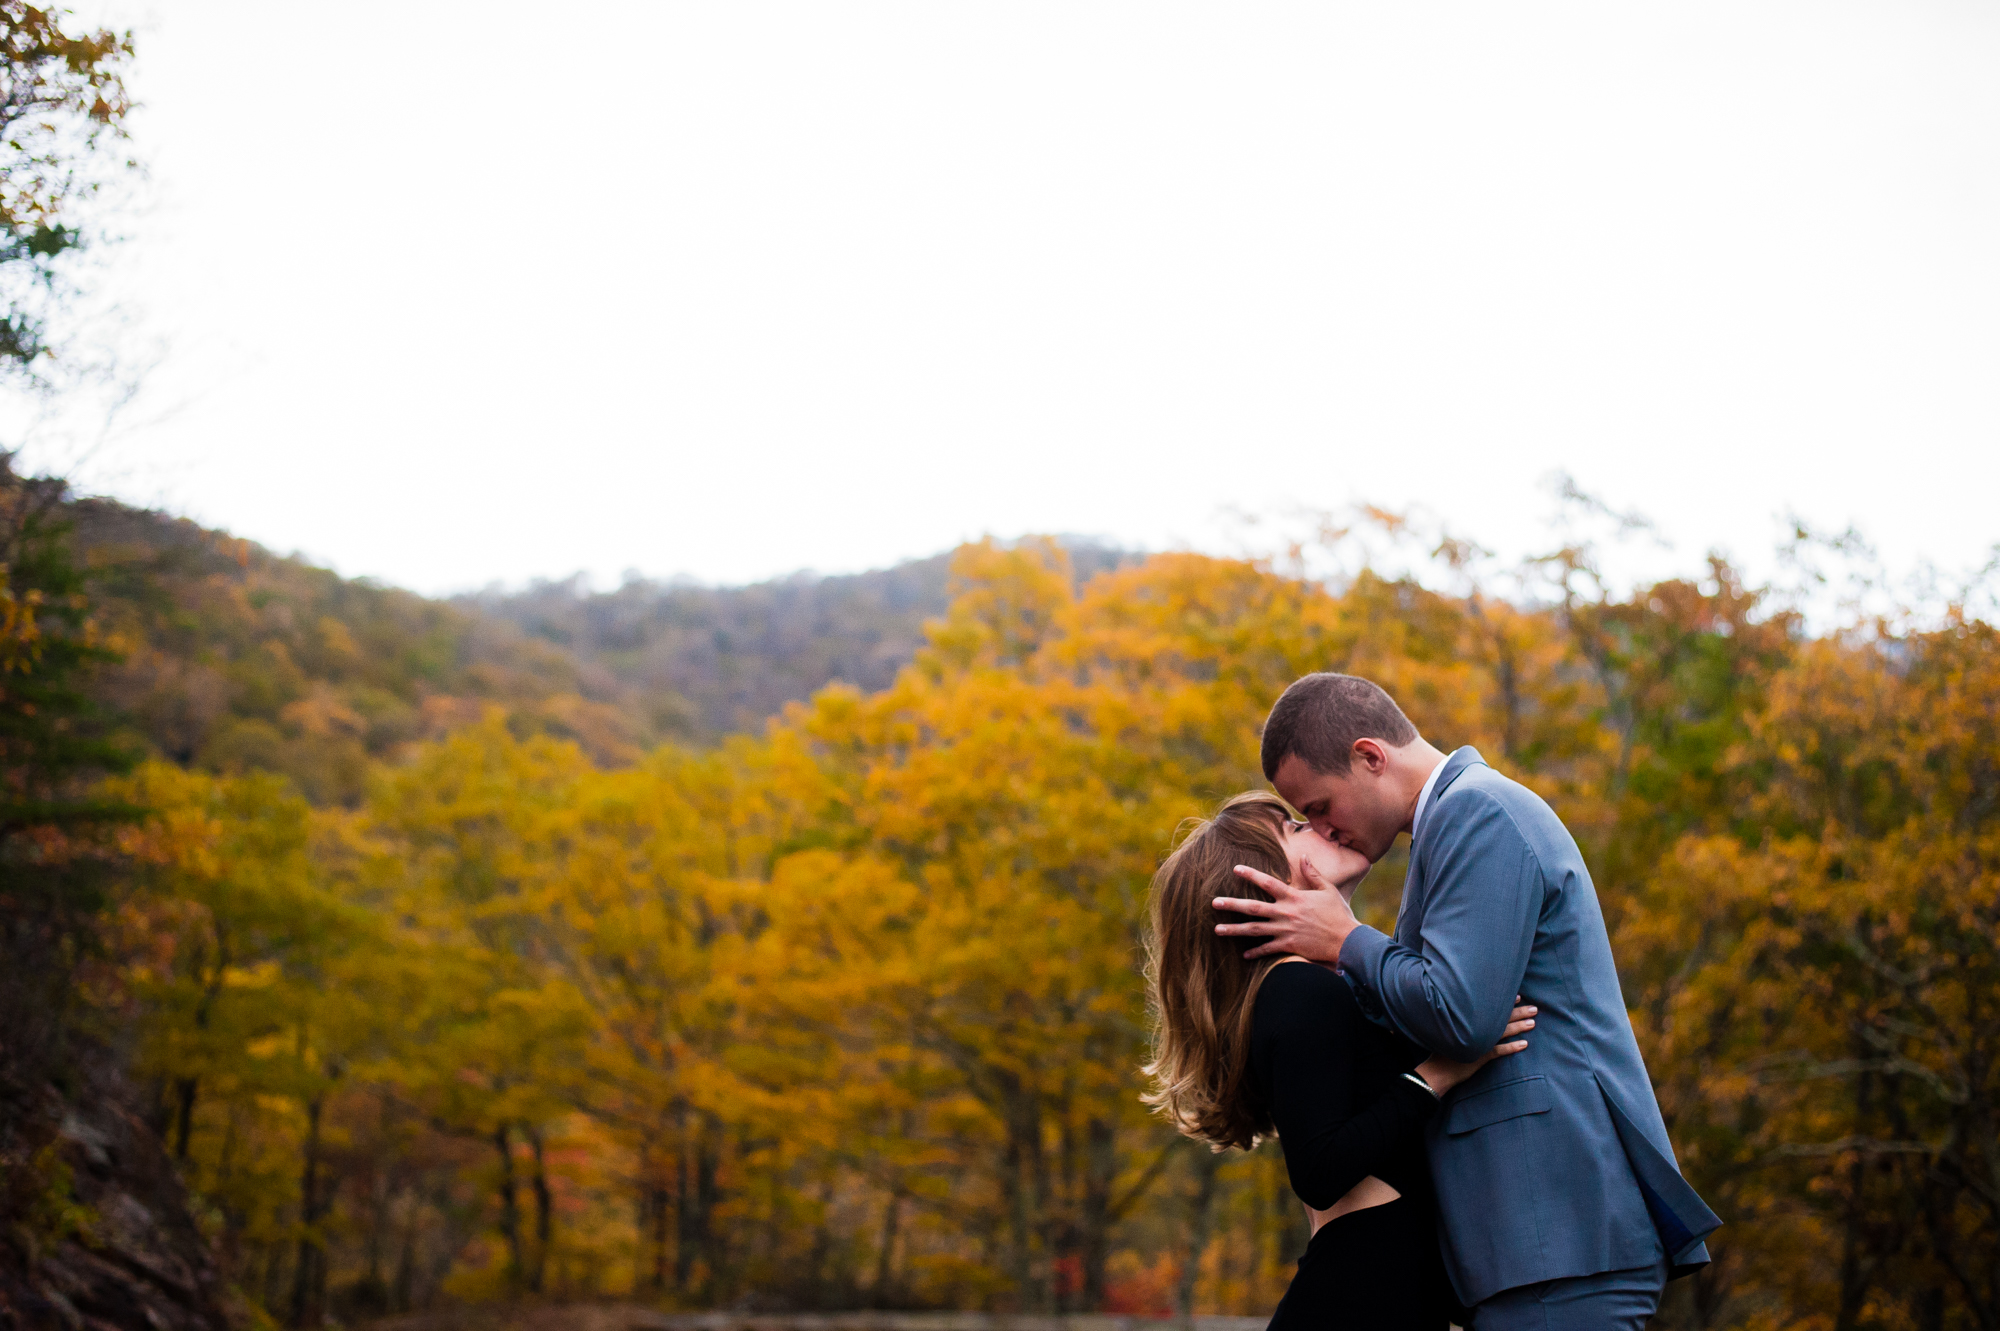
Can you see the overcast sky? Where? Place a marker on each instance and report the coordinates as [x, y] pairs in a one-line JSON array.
[[455, 293]]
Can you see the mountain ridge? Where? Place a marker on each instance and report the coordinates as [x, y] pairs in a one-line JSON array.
[[707, 661], [236, 658]]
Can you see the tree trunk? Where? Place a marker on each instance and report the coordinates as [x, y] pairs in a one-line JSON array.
[[822, 1247], [510, 1206], [656, 1201], [1100, 1172], [696, 1240], [708, 1196], [273, 1255], [184, 1097], [884, 1295], [653, 1210], [544, 1213], [686, 1240], [402, 1294], [309, 1276], [1855, 1268], [1201, 1225], [1025, 1174], [185, 1088]]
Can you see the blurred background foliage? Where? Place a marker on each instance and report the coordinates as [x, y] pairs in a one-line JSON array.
[[489, 951]]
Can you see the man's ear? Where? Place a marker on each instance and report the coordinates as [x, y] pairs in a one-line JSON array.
[[1372, 756]]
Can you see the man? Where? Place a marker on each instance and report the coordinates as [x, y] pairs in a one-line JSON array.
[[1559, 1200]]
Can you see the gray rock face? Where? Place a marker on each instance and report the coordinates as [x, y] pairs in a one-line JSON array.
[[95, 1232]]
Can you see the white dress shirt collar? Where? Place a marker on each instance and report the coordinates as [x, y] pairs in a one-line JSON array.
[[1424, 800]]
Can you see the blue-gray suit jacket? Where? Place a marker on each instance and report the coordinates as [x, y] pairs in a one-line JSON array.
[[1554, 1162]]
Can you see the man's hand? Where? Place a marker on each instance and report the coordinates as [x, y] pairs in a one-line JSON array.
[[1310, 922]]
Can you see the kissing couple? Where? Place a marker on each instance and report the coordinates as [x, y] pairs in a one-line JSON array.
[[1463, 1108]]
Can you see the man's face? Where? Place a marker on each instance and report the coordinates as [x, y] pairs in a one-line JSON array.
[[1358, 810], [1336, 864]]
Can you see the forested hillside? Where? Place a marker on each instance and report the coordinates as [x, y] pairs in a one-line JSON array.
[[697, 663], [133, 636], [236, 659]]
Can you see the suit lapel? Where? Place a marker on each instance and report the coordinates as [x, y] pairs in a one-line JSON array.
[[1406, 914], [1410, 915]]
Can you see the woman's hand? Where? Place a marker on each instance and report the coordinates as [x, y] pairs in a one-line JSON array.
[[1347, 865], [1441, 1074]]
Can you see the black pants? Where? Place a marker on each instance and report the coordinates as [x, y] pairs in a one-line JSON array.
[[1371, 1270]]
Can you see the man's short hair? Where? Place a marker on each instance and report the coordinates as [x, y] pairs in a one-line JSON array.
[[1319, 718]]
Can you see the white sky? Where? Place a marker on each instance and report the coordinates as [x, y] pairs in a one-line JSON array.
[[463, 292]]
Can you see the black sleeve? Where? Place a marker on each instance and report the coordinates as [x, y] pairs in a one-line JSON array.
[[1306, 1032]]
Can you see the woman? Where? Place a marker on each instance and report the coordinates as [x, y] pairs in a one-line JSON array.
[[1243, 1048]]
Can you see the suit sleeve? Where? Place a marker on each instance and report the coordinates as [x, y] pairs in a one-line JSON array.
[[1454, 995], [1331, 1142]]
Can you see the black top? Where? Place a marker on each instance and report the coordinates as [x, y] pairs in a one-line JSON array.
[[1333, 1082]]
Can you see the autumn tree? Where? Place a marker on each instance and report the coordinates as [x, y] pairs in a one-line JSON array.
[[1834, 963], [260, 994], [62, 106], [55, 868]]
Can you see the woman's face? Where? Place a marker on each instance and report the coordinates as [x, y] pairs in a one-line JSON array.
[[1337, 865]]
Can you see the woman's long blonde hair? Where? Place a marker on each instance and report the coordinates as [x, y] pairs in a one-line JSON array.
[[1199, 988]]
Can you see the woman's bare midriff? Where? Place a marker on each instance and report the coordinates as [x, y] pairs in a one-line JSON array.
[[1370, 1191]]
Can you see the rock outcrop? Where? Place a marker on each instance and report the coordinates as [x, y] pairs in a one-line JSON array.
[[95, 1231]]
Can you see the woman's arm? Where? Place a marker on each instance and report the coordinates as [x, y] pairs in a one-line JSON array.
[[1309, 1030]]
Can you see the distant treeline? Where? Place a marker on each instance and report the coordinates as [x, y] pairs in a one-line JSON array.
[[696, 663], [236, 659]]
